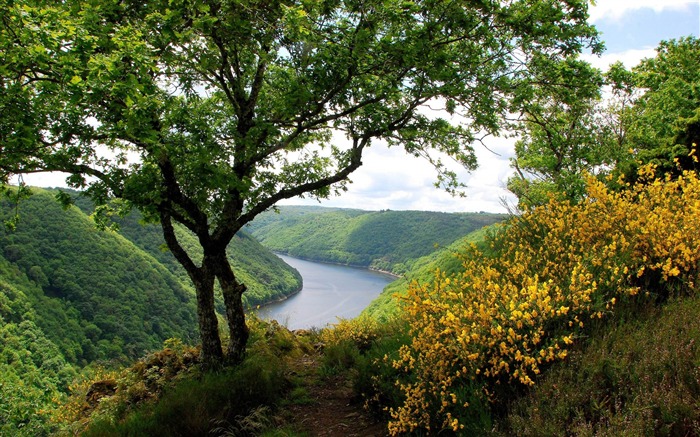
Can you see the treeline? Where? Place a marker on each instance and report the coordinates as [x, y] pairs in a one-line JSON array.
[[383, 240]]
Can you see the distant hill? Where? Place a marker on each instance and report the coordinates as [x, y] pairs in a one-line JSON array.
[[383, 240]]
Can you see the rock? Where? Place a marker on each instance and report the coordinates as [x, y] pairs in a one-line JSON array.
[[99, 390]]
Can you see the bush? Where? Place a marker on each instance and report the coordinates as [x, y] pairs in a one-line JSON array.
[[520, 304], [638, 378]]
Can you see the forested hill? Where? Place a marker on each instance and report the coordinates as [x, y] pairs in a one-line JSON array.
[[267, 277], [98, 295], [384, 240]]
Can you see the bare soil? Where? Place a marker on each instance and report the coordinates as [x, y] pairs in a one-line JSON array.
[[331, 409]]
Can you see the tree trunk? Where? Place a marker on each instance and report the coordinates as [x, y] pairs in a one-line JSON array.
[[233, 291], [212, 353], [203, 279]]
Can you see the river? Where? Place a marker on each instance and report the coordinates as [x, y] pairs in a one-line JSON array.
[[330, 291]]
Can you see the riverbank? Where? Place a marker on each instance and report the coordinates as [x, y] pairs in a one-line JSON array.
[[354, 266]]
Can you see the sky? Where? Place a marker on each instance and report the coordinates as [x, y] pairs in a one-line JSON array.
[[390, 179]]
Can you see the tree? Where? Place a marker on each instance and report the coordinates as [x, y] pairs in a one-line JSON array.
[[568, 130], [556, 143], [228, 107], [664, 119]]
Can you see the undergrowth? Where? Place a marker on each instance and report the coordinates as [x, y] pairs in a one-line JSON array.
[[638, 376], [466, 344], [166, 393]]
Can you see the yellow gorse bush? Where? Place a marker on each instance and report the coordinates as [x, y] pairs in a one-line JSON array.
[[361, 331], [521, 300]]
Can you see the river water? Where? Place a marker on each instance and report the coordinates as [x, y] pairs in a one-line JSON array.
[[330, 292]]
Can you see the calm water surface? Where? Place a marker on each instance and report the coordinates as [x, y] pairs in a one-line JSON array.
[[330, 291]]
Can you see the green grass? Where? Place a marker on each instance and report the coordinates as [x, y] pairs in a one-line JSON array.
[[180, 400], [638, 375]]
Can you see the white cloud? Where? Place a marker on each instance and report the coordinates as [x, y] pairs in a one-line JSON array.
[[391, 179], [629, 58], [616, 9]]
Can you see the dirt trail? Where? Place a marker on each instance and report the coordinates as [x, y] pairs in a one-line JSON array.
[[332, 410]]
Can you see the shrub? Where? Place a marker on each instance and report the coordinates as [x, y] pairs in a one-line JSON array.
[[637, 378], [519, 304]]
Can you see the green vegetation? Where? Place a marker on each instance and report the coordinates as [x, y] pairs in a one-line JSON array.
[[385, 306], [166, 393], [266, 277], [637, 375], [73, 296], [99, 296], [33, 372], [663, 125], [383, 240], [96, 295], [651, 116], [229, 108]]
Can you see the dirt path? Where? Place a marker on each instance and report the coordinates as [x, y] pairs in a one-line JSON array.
[[331, 409]]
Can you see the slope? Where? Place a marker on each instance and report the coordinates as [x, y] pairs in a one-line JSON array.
[[423, 270], [636, 375], [96, 295], [267, 277], [32, 370]]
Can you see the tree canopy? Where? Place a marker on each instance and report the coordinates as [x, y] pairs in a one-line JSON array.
[[207, 113], [664, 120], [650, 115], [557, 141]]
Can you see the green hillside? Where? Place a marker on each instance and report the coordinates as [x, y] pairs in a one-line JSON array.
[[71, 295], [32, 369], [423, 270], [102, 295], [636, 376], [96, 295], [384, 240], [267, 277]]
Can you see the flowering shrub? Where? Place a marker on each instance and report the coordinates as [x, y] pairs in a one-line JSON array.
[[361, 332], [73, 413], [522, 300]]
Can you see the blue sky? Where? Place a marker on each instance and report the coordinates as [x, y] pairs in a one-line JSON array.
[[389, 179]]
